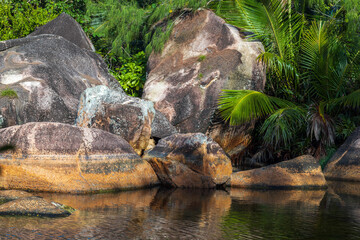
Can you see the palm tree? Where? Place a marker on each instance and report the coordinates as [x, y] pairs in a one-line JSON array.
[[311, 75]]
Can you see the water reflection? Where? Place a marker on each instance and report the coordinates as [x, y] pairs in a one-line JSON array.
[[196, 214]]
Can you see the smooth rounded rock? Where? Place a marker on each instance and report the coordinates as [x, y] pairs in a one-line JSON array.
[[302, 172], [33, 206], [57, 157], [190, 160], [345, 163], [46, 75], [67, 27]]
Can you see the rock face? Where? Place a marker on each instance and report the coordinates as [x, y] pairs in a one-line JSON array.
[[161, 127], [115, 112], [33, 206], [190, 160], [345, 164], [66, 27], [301, 172], [57, 157], [202, 56], [48, 75]]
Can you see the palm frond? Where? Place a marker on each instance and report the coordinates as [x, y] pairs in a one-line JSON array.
[[239, 106], [280, 129]]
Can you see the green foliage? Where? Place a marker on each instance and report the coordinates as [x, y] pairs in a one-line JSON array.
[[19, 18], [324, 160], [131, 26], [310, 62], [10, 93], [201, 58], [132, 73]]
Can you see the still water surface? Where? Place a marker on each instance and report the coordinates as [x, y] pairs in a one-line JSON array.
[[195, 214]]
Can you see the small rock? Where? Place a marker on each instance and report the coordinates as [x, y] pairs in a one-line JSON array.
[[32, 206]]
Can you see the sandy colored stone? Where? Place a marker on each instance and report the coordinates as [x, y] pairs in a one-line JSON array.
[[190, 160], [345, 164], [57, 157], [9, 195], [301, 172], [32, 206]]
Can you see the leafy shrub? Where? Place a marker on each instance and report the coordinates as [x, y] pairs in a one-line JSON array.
[[131, 74], [19, 18]]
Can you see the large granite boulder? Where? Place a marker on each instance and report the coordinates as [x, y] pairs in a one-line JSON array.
[[42, 78], [202, 56], [66, 27], [345, 164], [57, 157], [301, 172], [190, 160]]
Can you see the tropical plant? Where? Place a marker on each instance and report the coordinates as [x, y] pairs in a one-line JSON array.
[[128, 27], [19, 18], [131, 73], [312, 71]]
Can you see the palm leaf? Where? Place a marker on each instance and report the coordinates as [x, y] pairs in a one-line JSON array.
[[280, 129], [239, 106]]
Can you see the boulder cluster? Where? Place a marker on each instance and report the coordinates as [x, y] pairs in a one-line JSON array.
[[69, 126]]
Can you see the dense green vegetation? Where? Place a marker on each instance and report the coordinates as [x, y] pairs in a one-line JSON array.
[[312, 96]]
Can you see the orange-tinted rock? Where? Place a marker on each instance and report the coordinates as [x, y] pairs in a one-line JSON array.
[[345, 164], [58, 157], [33, 206], [190, 160], [203, 56], [301, 172]]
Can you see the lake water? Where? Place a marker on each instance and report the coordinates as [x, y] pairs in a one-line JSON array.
[[198, 214]]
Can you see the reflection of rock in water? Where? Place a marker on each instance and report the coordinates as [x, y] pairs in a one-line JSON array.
[[147, 214], [279, 197], [345, 188], [136, 199]]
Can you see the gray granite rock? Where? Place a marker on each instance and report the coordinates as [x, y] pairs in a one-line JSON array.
[[48, 74], [66, 27]]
